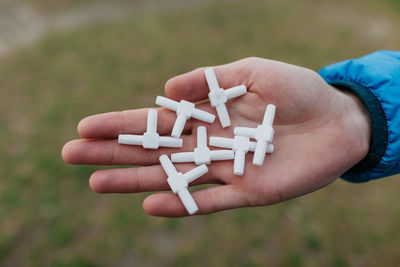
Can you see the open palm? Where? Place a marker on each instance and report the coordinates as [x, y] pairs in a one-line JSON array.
[[320, 132]]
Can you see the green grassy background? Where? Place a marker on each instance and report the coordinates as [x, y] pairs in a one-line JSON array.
[[50, 217]]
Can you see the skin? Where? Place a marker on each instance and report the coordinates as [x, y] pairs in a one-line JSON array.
[[320, 132]]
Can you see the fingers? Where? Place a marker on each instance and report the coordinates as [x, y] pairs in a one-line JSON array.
[[208, 200], [109, 152], [192, 86], [153, 178], [109, 125], [141, 179]]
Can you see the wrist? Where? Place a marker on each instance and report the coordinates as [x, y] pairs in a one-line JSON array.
[[358, 123], [378, 132]]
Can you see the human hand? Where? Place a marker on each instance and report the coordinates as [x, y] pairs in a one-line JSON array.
[[320, 132]]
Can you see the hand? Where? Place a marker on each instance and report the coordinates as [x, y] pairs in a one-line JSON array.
[[320, 132]]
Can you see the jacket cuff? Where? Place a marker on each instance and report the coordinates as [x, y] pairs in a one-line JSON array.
[[379, 139], [375, 79]]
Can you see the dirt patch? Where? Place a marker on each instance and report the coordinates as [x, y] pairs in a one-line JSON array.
[[21, 24]]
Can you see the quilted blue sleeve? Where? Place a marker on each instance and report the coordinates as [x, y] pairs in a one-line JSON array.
[[375, 78]]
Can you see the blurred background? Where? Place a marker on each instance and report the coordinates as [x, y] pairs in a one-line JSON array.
[[63, 60]]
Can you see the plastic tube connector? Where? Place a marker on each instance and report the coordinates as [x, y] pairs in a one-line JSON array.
[[240, 146], [263, 134], [202, 154], [179, 182], [150, 139], [184, 111], [218, 96]]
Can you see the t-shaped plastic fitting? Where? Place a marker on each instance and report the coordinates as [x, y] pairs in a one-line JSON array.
[[179, 182], [263, 134], [202, 154], [184, 111], [240, 145], [150, 139], [218, 96]]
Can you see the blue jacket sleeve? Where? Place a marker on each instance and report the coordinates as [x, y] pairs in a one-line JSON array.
[[375, 78]]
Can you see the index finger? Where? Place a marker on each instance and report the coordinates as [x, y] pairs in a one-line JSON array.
[[192, 86]]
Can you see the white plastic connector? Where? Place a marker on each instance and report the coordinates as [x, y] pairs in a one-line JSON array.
[[150, 139], [202, 154], [184, 111], [219, 96], [179, 182], [264, 135], [240, 145]]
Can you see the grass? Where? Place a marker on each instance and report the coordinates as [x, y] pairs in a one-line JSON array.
[[49, 216]]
